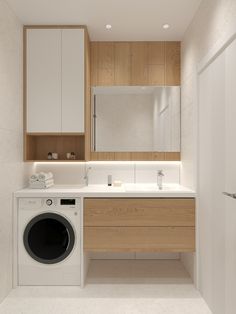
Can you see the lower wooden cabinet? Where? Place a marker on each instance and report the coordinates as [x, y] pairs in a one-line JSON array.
[[139, 239], [139, 225]]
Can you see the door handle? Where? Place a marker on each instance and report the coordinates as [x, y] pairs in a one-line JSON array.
[[233, 195]]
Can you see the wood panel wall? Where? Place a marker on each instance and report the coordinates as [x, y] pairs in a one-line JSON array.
[[87, 94], [135, 63]]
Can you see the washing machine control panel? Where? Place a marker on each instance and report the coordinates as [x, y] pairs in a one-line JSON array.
[[63, 203], [49, 202]]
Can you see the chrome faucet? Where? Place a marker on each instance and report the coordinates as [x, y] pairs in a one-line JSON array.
[[160, 176], [86, 176]]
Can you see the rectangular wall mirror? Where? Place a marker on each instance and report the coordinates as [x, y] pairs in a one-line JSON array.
[[136, 119]]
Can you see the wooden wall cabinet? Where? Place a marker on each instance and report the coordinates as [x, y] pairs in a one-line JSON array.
[[139, 225], [56, 82], [135, 63]]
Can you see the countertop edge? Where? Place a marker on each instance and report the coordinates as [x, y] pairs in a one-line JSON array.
[[96, 194]]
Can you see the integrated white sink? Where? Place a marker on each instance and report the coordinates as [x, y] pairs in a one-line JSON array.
[[134, 188], [102, 188], [153, 188]]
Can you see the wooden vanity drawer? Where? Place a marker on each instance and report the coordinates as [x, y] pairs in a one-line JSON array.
[[125, 212], [139, 239]]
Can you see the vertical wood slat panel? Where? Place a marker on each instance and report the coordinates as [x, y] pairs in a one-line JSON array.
[[156, 63], [122, 64], [106, 73], [135, 63], [172, 63], [139, 61]]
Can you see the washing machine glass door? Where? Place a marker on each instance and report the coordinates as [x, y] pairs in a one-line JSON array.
[[49, 238]]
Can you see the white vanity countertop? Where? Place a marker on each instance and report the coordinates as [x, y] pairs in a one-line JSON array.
[[99, 190]]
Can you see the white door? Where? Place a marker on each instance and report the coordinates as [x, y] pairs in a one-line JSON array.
[[217, 173], [43, 80], [73, 80], [230, 178], [211, 215]]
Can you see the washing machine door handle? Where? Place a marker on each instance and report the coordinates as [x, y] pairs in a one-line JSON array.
[[69, 239]]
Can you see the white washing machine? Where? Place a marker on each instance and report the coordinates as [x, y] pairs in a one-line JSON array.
[[49, 241]]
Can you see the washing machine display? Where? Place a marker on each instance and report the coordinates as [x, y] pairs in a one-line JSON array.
[[49, 238]]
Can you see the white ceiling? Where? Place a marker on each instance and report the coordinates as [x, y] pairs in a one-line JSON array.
[[130, 19]]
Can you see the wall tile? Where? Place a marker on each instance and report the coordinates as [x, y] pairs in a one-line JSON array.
[[64, 173], [121, 171], [147, 173]]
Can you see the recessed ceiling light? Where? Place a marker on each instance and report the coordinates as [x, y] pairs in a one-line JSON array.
[[108, 27], [166, 26]]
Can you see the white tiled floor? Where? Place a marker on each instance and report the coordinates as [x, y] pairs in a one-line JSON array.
[[119, 287]]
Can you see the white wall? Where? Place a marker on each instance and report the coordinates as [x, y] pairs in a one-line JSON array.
[[12, 168], [127, 172], [210, 27], [212, 23]]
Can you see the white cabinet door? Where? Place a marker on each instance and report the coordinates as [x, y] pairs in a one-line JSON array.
[[43, 80], [230, 178], [73, 80]]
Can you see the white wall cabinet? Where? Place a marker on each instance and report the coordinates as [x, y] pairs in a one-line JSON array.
[[72, 80], [55, 80], [43, 86]]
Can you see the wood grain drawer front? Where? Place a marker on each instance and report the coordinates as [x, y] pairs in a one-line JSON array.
[[139, 239], [118, 212]]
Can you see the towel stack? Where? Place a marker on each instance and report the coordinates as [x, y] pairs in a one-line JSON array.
[[41, 180]]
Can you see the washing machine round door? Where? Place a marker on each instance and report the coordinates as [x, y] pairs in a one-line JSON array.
[[49, 238]]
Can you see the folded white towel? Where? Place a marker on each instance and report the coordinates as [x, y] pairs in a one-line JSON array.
[[41, 185], [32, 180], [43, 176], [43, 182], [34, 177]]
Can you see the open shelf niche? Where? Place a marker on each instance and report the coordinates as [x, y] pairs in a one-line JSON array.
[[38, 145]]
